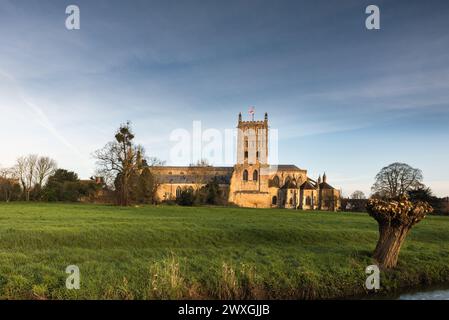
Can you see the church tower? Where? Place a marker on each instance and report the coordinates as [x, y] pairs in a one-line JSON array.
[[249, 185], [252, 141]]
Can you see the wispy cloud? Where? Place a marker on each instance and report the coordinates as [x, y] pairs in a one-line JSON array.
[[37, 114]]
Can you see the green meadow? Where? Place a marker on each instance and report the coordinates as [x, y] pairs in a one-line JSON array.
[[171, 252]]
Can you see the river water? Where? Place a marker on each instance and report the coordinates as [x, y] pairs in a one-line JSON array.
[[426, 295], [429, 293]]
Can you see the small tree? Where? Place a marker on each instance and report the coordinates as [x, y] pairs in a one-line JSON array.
[[186, 198], [395, 219], [145, 186], [421, 194], [9, 187], [45, 167], [141, 186], [212, 191], [358, 195], [64, 185], [151, 179]]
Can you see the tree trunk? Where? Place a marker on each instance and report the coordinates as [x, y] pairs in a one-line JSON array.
[[124, 192], [389, 244], [395, 218]]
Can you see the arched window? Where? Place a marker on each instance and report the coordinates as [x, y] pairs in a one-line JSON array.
[[276, 181], [178, 192], [245, 175], [246, 154], [291, 201], [274, 200], [255, 175], [287, 182], [308, 201]]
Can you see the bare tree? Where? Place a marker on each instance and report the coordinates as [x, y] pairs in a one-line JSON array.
[[25, 170], [107, 176], [154, 162], [397, 180], [201, 163], [7, 182], [119, 158], [5, 173], [20, 172], [45, 167], [32, 171], [358, 195], [199, 176]]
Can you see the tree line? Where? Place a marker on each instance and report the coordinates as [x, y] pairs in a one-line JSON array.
[[123, 166], [38, 178]]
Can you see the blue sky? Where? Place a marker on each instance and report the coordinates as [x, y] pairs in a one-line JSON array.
[[345, 100]]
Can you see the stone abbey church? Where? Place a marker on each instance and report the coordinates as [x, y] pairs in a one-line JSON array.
[[251, 182]]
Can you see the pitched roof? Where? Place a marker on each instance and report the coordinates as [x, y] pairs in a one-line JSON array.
[[325, 185], [307, 186], [288, 167]]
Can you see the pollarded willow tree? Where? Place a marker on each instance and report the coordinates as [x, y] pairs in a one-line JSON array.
[[395, 214], [395, 219]]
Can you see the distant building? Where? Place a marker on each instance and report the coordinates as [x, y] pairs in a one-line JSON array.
[[97, 191], [252, 182]]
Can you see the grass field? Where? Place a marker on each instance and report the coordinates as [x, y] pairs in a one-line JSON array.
[[174, 252]]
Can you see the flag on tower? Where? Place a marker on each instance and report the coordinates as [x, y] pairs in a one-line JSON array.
[[252, 111]]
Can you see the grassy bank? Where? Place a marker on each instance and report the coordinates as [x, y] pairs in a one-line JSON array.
[[194, 253]]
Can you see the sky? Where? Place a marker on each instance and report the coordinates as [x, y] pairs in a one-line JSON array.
[[345, 100]]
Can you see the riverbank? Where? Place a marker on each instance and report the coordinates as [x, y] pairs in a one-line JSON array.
[[171, 252]]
